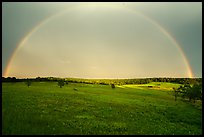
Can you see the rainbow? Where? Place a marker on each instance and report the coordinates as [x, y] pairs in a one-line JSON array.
[[51, 17]]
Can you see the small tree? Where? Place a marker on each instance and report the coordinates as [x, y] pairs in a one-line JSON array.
[[61, 83], [112, 86], [196, 92], [192, 92], [28, 82], [176, 91]]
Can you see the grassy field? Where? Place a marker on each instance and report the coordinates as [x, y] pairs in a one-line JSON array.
[[44, 108]]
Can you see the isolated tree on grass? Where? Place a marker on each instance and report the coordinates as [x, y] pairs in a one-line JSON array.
[[188, 92], [61, 83], [28, 82], [196, 92], [191, 92], [176, 91], [112, 86]]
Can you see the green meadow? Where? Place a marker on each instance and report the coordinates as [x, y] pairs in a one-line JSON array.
[[147, 109]]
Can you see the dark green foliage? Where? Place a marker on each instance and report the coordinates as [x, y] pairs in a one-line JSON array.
[[42, 79], [28, 82], [107, 81], [9, 79], [197, 92], [176, 92], [61, 83], [191, 92], [112, 86]]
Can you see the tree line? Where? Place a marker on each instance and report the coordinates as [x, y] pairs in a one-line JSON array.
[[107, 81]]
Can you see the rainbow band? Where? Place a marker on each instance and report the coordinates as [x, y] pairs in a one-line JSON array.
[[49, 18]]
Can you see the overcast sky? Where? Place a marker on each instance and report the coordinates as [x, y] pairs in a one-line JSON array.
[[106, 40]]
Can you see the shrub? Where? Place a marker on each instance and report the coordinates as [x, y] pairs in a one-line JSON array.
[[112, 86], [28, 82], [75, 89], [61, 83]]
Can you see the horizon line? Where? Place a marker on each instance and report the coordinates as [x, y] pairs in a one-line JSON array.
[[92, 78]]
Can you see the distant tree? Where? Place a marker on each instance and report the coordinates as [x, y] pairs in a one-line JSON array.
[[112, 86], [3, 79], [176, 91], [37, 78], [61, 83], [13, 79], [66, 82], [28, 82]]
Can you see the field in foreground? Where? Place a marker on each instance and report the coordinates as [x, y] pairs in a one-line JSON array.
[[44, 108]]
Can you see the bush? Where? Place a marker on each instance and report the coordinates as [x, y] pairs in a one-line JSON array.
[[75, 89], [112, 86], [28, 83], [191, 92], [61, 83]]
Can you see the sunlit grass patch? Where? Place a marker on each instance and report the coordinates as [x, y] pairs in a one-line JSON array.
[[84, 116], [152, 85]]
